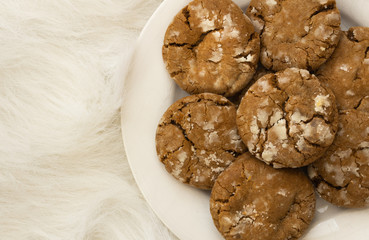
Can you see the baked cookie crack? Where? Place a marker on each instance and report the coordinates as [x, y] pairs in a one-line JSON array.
[[186, 14], [360, 101], [323, 9], [185, 135]]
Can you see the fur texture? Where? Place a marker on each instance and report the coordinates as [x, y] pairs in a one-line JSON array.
[[63, 171]]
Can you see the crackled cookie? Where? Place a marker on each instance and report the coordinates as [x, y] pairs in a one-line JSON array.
[[211, 46], [341, 176], [288, 119], [251, 200], [197, 138], [295, 33], [347, 71]]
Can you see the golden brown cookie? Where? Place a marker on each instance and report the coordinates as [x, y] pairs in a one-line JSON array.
[[288, 119], [347, 71], [197, 138], [211, 46], [341, 176], [295, 33], [251, 200]]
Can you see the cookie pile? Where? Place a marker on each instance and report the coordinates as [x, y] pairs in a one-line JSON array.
[[278, 109]]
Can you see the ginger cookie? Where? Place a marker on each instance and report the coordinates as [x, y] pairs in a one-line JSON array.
[[295, 33], [341, 176], [288, 119], [197, 138], [211, 46], [251, 200], [347, 71]]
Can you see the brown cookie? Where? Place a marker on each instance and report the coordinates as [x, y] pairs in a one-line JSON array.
[[341, 176], [251, 200], [347, 71], [295, 33], [197, 138], [288, 119], [211, 46]]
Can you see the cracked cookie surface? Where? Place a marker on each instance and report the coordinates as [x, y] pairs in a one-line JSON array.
[[341, 176], [347, 71], [295, 33], [260, 71], [288, 119], [211, 46], [251, 200], [197, 138]]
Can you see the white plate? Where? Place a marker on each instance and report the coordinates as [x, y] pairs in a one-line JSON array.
[[149, 92]]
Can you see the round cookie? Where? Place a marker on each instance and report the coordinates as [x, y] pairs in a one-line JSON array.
[[251, 200], [347, 71], [341, 176], [288, 119], [295, 33], [211, 46], [197, 138]]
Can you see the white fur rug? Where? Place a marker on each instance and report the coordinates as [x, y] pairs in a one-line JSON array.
[[63, 171]]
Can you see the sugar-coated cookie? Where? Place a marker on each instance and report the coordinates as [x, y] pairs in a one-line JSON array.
[[295, 33], [347, 71], [197, 138], [211, 46], [251, 200], [288, 119], [341, 176]]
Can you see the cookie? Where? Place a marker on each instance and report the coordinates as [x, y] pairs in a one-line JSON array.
[[211, 46], [197, 138], [347, 71], [295, 33], [341, 176], [288, 119], [251, 200]]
